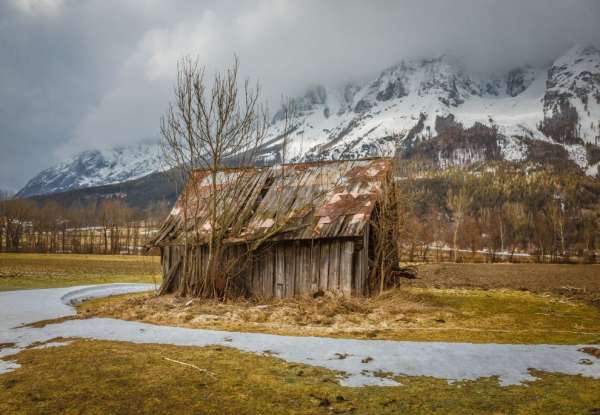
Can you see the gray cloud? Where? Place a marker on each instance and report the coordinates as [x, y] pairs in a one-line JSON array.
[[96, 73]]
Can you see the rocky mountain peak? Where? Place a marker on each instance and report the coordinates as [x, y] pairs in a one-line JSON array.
[[427, 107], [95, 168]]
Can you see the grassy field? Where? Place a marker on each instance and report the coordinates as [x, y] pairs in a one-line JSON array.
[[494, 303], [95, 377], [502, 303], [453, 302], [26, 271]]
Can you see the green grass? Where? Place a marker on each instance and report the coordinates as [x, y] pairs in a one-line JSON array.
[[27, 271], [94, 377], [506, 316]]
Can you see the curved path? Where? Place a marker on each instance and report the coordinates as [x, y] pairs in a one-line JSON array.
[[451, 361]]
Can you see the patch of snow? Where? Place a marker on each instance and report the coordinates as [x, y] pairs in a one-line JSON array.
[[578, 154], [450, 361], [513, 149], [593, 170], [52, 344]]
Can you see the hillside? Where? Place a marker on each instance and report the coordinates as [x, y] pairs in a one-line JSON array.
[[96, 168], [138, 193]]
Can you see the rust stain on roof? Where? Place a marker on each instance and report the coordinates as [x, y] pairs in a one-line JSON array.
[[306, 200]]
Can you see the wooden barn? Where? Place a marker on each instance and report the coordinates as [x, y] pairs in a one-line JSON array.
[[326, 208]]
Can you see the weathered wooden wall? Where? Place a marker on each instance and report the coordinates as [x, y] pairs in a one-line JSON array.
[[289, 268]]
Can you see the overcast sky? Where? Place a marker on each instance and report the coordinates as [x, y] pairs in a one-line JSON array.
[[82, 74]]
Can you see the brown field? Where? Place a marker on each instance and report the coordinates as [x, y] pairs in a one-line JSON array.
[[569, 281], [20, 271]]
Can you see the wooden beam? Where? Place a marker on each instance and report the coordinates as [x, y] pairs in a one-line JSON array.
[[324, 266], [346, 256], [279, 271], [291, 253], [334, 266], [269, 274], [314, 266]]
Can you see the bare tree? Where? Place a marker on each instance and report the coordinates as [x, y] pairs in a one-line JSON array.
[[5, 196], [210, 126], [458, 202]]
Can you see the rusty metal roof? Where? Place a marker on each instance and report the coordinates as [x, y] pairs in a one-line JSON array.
[[295, 201]]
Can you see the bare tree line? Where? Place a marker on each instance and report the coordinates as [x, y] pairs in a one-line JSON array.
[[210, 125], [500, 212], [108, 227]]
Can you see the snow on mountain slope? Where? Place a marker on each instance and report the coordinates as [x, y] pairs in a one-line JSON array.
[[574, 84], [431, 108], [96, 168], [559, 105]]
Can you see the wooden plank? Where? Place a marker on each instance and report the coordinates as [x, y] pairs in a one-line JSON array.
[[334, 266], [197, 269], [346, 256], [269, 274], [356, 269], [364, 278], [189, 281], [177, 254], [170, 281], [165, 260], [205, 261], [303, 270], [314, 267], [279, 272], [307, 270], [291, 253], [359, 276], [256, 277], [298, 270], [324, 266]]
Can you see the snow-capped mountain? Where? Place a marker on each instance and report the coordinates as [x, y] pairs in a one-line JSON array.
[[420, 108], [96, 168], [435, 105]]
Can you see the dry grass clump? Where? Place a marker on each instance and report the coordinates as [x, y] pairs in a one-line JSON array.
[[328, 313], [502, 316], [503, 303]]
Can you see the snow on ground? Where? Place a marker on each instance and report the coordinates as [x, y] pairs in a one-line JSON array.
[[450, 361], [23, 307]]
